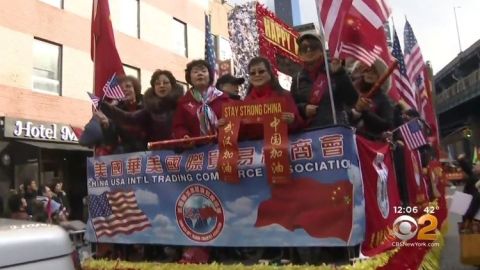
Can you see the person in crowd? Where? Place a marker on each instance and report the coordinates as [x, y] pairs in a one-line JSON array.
[[60, 196], [398, 148], [310, 86], [52, 210], [112, 138], [30, 193], [372, 116], [471, 185], [198, 111], [230, 85], [264, 85], [18, 207], [160, 102]]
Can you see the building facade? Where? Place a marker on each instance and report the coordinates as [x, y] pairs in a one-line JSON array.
[[457, 88], [46, 71]]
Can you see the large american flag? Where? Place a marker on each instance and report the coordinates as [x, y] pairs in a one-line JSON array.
[[400, 77], [355, 27], [210, 56], [412, 134], [116, 212], [415, 65], [112, 89]]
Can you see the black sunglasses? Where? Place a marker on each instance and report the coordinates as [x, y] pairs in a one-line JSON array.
[[259, 72], [304, 48]]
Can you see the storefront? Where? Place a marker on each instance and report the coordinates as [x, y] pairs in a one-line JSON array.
[[45, 152]]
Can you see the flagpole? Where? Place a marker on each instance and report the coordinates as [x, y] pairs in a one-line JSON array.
[[327, 71]]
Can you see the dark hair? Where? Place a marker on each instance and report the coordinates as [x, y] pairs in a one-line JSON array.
[[273, 79], [168, 74], [198, 63], [137, 87], [412, 113], [14, 203]]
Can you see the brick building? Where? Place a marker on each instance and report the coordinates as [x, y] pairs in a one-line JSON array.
[[46, 70]]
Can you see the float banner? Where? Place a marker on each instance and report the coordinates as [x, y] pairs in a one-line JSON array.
[[381, 196], [163, 197], [275, 143]]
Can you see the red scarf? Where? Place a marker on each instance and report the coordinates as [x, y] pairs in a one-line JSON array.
[[264, 91]]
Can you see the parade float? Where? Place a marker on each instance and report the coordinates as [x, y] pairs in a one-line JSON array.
[[325, 188]]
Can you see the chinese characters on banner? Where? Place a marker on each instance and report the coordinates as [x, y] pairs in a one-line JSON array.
[[277, 161]]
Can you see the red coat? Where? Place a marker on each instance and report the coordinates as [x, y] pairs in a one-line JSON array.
[[185, 120], [255, 131]]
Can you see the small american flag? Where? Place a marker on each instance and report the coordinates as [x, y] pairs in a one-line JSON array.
[[116, 212], [112, 89], [95, 100], [412, 134]]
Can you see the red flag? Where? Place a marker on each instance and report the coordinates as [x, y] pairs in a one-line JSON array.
[[381, 195], [77, 131], [103, 50], [355, 28], [417, 191], [310, 205]]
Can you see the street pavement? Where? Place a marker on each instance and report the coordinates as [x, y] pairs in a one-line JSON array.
[[450, 259]]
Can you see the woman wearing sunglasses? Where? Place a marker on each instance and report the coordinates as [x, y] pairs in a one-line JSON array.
[[310, 86], [264, 85]]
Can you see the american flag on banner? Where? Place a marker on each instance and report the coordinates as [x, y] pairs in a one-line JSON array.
[[412, 134], [210, 56], [400, 77], [355, 28], [95, 100], [112, 89], [116, 212], [415, 65]]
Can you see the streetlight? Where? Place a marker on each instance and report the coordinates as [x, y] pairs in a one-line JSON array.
[[458, 32]]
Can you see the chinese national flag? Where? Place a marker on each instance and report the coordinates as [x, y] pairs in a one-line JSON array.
[[310, 205], [103, 50], [381, 195]]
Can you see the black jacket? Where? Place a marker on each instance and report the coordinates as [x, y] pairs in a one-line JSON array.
[[378, 120], [344, 95]]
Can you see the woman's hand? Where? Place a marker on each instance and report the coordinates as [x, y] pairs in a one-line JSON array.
[[288, 117], [363, 104], [311, 110], [102, 118], [221, 122]]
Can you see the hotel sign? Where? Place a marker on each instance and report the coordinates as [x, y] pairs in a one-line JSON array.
[[38, 130]]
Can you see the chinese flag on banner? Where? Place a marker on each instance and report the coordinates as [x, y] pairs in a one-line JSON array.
[[381, 195], [310, 205], [103, 50]]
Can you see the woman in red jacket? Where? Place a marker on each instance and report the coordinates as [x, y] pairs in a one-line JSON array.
[[264, 85], [198, 111]]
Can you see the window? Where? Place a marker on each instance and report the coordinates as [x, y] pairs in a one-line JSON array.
[[224, 50], [47, 66], [126, 17], [133, 71], [179, 31], [55, 3]]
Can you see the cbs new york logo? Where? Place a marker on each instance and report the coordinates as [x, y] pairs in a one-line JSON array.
[[406, 227]]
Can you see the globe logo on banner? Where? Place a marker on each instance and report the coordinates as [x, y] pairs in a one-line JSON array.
[[199, 213], [382, 187]]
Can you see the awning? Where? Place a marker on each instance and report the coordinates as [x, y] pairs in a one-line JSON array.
[[58, 146]]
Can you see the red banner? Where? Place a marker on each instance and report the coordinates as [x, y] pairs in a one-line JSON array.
[[381, 195], [417, 191], [275, 37], [277, 161]]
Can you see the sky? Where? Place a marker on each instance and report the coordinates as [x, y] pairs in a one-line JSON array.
[[433, 23]]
